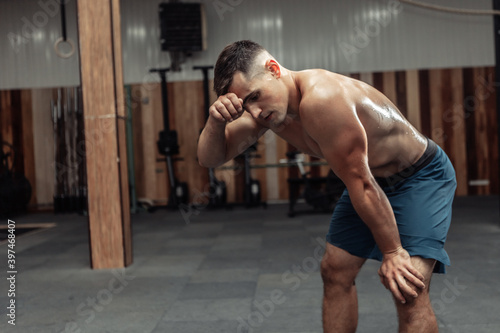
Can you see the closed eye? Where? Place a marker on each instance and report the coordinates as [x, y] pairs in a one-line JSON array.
[[255, 97], [252, 97]]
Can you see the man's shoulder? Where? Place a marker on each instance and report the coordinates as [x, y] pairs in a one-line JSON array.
[[321, 89], [323, 84], [311, 77]]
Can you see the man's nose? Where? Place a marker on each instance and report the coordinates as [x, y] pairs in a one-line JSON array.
[[254, 111]]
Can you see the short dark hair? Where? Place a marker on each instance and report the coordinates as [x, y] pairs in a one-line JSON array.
[[236, 57]]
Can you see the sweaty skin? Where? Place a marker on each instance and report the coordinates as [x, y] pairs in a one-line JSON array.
[[354, 127]]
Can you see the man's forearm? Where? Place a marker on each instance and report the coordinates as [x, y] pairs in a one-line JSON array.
[[212, 144], [374, 208]]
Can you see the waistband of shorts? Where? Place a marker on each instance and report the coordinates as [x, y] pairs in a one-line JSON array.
[[421, 163]]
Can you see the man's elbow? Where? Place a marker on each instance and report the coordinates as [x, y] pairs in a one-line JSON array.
[[361, 184], [209, 165], [206, 163], [201, 161]]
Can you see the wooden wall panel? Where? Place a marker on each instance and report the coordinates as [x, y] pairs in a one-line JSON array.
[[17, 127], [367, 77], [401, 92], [260, 158], [188, 108], [378, 81], [283, 173], [438, 100], [483, 157], [389, 86], [447, 119], [239, 179], [481, 133], [323, 169], [470, 126], [148, 99], [412, 98], [425, 102], [489, 83], [271, 157], [162, 184], [229, 177], [28, 148], [6, 116], [356, 76], [43, 146], [454, 131], [16, 130]]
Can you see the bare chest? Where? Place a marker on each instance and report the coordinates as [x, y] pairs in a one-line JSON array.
[[295, 134]]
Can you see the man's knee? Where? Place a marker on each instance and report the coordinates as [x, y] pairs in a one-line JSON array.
[[412, 302], [417, 310], [339, 268]]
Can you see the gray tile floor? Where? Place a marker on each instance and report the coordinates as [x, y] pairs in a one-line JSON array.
[[243, 270]]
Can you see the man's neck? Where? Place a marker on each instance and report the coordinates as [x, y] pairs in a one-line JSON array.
[[294, 95]]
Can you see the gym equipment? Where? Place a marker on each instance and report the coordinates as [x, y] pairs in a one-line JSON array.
[[217, 189], [70, 182], [252, 186], [252, 193], [322, 200], [15, 189], [168, 146], [64, 38]]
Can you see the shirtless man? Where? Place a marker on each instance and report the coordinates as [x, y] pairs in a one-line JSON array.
[[400, 185]]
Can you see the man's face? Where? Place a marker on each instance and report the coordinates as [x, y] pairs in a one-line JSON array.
[[264, 97]]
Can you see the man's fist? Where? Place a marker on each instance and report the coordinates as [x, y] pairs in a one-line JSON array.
[[227, 108]]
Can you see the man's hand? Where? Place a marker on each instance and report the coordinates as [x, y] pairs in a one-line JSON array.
[[227, 108], [395, 273]]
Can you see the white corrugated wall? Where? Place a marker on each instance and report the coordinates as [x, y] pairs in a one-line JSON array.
[[342, 36]]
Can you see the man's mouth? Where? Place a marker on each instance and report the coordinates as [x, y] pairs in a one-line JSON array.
[[268, 116]]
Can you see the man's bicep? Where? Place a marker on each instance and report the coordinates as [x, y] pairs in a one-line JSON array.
[[347, 156], [343, 143]]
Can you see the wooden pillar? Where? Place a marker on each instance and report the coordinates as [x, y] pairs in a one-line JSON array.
[[496, 24], [103, 104]]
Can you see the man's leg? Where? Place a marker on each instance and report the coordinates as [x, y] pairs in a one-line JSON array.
[[340, 301], [417, 314]]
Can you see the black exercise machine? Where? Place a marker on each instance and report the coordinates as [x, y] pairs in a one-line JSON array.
[[168, 146], [319, 192], [253, 189], [15, 189], [252, 196], [217, 188]]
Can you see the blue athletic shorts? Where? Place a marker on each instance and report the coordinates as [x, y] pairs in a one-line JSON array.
[[421, 197]]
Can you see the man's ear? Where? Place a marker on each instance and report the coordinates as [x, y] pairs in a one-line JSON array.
[[273, 66]]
